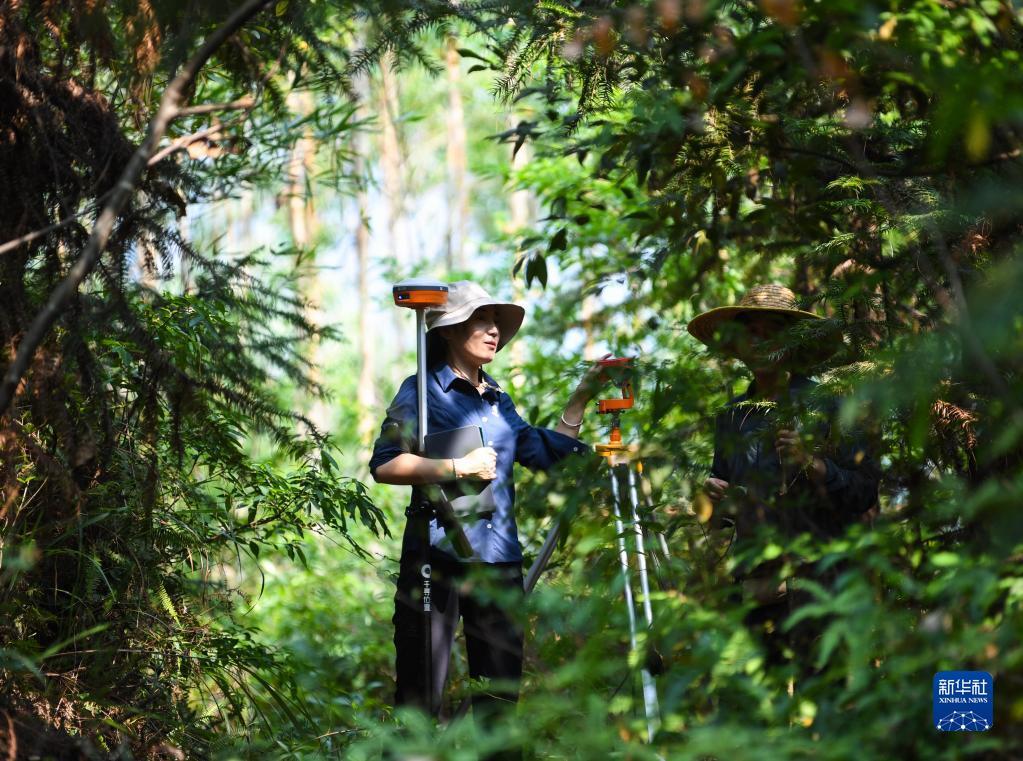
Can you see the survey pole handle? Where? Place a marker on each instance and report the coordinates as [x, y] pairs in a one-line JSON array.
[[421, 376]]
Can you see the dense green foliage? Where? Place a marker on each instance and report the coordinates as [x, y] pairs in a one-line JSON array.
[[189, 563], [861, 155], [130, 484]]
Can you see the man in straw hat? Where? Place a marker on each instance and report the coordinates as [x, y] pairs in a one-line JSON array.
[[780, 462], [463, 336]]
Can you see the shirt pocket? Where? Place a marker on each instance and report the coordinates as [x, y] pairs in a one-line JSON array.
[[498, 433], [448, 411]]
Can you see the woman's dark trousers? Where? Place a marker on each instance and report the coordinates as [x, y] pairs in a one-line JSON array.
[[482, 594]]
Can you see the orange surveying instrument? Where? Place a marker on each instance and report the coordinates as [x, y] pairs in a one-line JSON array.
[[421, 294], [621, 367]]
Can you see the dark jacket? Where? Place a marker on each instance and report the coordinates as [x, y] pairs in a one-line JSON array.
[[745, 457]]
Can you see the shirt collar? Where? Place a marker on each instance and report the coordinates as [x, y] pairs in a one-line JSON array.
[[446, 377]]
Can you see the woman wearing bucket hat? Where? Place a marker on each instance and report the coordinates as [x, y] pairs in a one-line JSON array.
[[780, 461], [463, 336]]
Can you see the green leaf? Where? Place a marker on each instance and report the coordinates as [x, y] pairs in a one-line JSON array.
[[559, 242], [536, 269], [469, 53], [945, 559], [165, 602]]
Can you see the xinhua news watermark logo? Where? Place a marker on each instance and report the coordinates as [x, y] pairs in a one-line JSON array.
[[964, 701]]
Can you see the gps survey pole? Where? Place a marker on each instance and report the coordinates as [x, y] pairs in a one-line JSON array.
[[421, 294]]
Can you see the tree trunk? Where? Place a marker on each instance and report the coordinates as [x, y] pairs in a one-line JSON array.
[[392, 161], [148, 260], [523, 213], [589, 307], [366, 398], [458, 190], [301, 212], [302, 223], [185, 263]]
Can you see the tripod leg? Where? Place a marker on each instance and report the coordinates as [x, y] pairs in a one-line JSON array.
[[540, 564], [623, 555], [644, 490], [637, 527], [649, 688], [660, 572]]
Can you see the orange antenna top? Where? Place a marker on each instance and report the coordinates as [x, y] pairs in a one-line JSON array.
[[420, 293]]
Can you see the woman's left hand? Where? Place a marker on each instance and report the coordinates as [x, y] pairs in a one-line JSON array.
[[590, 384]]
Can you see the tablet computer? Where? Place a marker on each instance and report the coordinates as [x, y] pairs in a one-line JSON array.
[[466, 496]]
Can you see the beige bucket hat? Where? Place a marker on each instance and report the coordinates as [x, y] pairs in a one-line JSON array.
[[464, 298], [709, 327]]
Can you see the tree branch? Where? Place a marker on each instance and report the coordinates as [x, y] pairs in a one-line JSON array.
[[242, 104], [35, 235], [867, 169], [181, 143], [954, 303], [170, 107], [185, 141]]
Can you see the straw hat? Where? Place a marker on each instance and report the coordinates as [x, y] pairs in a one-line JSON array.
[[464, 298], [710, 326]]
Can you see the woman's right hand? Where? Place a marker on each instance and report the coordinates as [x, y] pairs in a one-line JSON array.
[[715, 489], [479, 463]]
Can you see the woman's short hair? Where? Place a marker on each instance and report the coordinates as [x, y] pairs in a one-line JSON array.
[[436, 347]]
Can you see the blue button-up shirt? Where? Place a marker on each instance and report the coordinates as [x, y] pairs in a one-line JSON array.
[[452, 402]]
